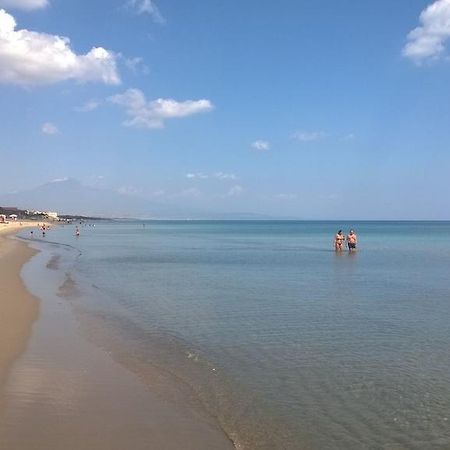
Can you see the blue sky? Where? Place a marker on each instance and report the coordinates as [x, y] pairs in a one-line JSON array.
[[315, 110]]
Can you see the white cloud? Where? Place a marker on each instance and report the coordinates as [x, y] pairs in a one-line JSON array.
[[261, 145], [308, 136], [137, 65], [225, 176], [88, 106], [33, 58], [152, 114], [59, 180], [198, 175], [26, 5], [216, 175], [235, 191], [49, 128], [147, 7], [427, 41]]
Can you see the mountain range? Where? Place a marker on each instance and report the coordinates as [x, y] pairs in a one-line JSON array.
[[70, 196]]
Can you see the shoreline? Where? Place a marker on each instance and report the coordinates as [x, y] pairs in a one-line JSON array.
[[61, 391], [19, 308]]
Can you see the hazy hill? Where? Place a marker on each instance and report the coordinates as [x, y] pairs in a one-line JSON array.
[[71, 197]]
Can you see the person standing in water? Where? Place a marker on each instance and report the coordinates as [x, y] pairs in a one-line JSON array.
[[352, 240], [339, 241]]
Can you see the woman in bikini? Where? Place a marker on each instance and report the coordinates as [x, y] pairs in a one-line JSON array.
[[339, 241]]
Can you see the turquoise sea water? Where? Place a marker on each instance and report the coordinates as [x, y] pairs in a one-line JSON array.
[[288, 344]]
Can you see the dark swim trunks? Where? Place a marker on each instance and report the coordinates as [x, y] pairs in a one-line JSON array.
[[351, 245]]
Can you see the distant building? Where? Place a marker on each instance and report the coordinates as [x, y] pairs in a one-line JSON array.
[[9, 211], [52, 215], [13, 216]]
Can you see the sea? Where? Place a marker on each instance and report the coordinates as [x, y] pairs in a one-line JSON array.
[[285, 342]]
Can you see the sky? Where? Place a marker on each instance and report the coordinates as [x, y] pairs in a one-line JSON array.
[[315, 110]]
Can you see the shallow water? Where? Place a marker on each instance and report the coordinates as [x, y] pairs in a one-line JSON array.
[[288, 344], [65, 393]]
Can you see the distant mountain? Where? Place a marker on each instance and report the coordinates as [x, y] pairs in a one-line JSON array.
[[69, 196]]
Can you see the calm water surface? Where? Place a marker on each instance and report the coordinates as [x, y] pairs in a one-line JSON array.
[[288, 344]]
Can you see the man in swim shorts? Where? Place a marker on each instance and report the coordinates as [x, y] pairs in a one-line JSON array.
[[352, 240]]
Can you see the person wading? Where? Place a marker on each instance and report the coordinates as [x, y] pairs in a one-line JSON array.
[[339, 241], [352, 240]]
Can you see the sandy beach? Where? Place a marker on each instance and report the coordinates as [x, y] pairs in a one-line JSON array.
[[19, 308], [59, 390]]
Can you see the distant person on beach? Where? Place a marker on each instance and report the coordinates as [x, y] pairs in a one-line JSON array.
[[339, 240], [352, 240], [77, 232]]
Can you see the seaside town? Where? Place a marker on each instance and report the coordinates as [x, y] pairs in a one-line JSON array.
[[13, 214]]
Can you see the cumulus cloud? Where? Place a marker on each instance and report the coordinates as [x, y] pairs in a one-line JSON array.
[[261, 145], [33, 58], [427, 41], [26, 5], [216, 175], [152, 114], [147, 7], [49, 128], [308, 136]]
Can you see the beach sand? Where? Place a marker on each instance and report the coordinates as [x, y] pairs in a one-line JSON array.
[[63, 392], [18, 307]]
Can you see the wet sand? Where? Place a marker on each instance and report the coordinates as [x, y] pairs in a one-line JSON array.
[[63, 391]]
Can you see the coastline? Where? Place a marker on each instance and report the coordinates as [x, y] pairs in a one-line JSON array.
[[19, 308], [61, 391]]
